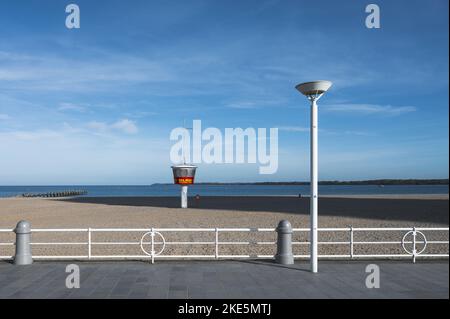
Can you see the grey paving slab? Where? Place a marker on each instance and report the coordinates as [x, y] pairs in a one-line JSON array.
[[225, 279]]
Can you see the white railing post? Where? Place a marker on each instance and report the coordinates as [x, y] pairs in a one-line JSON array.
[[153, 246], [414, 250], [89, 243], [351, 242], [217, 243]]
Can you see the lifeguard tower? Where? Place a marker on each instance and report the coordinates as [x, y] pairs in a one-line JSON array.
[[184, 175]]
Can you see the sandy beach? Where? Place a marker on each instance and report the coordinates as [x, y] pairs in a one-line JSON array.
[[245, 211]]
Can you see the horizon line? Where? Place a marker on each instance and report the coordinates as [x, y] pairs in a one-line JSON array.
[[251, 182]]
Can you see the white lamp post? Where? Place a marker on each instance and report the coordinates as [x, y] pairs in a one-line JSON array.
[[314, 91]]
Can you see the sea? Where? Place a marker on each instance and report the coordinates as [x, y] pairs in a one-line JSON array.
[[226, 190]]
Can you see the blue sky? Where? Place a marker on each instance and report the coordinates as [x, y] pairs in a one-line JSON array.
[[96, 105]]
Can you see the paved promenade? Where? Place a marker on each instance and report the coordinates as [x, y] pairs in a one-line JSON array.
[[224, 279]]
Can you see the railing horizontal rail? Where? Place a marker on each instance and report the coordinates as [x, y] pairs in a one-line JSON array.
[[232, 243], [57, 230], [59, 243], [230, 229]]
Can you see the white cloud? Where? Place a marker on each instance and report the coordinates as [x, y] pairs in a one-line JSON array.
[[140, 114], [29, 135], [40, 72], [359, 133], [124, 125], [70, 156], [293, 128], [255, 104], [370, 109], [71, 107], [97, 126], [242, 105], [328, 132]]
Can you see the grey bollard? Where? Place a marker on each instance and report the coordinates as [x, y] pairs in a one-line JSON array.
[[284, 254], [23, 248]]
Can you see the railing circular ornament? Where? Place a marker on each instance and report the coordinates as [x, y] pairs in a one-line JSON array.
[[153, 234], [414, 233]]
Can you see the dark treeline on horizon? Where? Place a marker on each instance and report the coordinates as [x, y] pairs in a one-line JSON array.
[[363, 182]]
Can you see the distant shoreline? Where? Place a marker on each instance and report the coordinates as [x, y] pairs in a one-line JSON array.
[[391, 191], [329, 196], [392, 196], [376, 182]]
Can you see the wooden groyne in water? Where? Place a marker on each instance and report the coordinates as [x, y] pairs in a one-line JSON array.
[[57, 194]]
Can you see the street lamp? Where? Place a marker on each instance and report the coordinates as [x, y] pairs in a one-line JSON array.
[[314, 91]]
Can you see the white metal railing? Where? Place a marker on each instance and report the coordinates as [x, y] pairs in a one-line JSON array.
[[413, 253]]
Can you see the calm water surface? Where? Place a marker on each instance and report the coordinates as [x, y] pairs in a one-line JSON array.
[[228, 190]]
